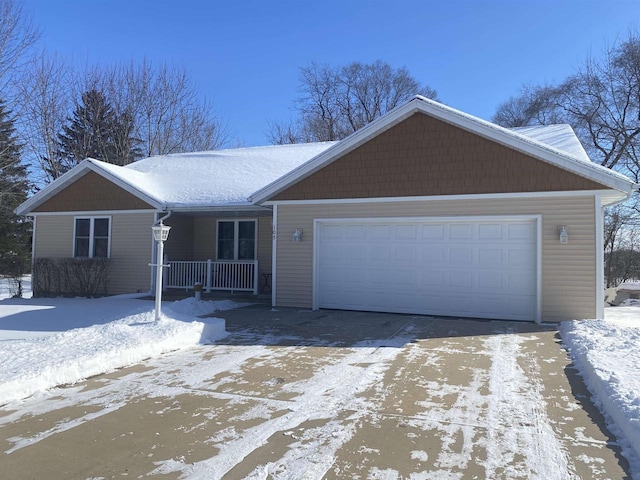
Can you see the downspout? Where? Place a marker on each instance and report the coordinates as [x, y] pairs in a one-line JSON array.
[[160, 220]]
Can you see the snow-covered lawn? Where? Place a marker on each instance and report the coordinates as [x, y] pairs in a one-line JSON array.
[[607, 354], [47, 342]]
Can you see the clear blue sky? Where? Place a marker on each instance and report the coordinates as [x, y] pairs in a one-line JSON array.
[[244, 55]]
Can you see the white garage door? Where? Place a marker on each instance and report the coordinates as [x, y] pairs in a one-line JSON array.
[[484, 268]]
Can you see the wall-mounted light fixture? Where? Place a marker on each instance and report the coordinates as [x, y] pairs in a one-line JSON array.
[[563, 233], [297, 235]]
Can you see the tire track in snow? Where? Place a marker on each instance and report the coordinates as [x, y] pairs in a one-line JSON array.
[[329, 393], [520, 440]]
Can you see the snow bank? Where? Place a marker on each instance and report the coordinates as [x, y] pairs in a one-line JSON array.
[[607, 354], [191, 306], [34, 365]]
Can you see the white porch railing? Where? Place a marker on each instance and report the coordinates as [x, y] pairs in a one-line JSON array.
[[241, 275]]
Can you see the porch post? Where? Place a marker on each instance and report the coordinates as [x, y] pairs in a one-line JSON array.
[[207, 282], [255, 277]]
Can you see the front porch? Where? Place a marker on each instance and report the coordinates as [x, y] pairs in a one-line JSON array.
[[226, 251], [238, 276]]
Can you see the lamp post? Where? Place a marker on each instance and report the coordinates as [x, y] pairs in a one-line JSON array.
[[160, 234]]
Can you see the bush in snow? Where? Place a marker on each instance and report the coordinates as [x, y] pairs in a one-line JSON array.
[[86, 277]]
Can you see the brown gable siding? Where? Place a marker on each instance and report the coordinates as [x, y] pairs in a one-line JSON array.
[[92, 192], [424, 156]]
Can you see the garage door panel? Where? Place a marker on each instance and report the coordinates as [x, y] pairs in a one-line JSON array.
[[433, 255], [461, 231], [433, 232], [489, 257], [461, 256], [490, 231], [481, 269]]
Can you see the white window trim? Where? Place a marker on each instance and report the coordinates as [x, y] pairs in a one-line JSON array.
[[236, 229], [91, 234]]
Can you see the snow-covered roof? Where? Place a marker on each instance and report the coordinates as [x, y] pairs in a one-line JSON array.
[[220, 178], [561, 137], [214, 178]]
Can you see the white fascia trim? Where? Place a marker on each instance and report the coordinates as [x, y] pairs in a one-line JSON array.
[[480, 196], [274, 250], [599, 253], [218, 208], [89, 213], [455, 117], [471, 218]]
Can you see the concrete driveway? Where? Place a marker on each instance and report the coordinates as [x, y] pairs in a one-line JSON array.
[[298, 394]]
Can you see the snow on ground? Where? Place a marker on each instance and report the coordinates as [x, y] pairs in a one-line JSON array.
[[47, 342], [607, 354]]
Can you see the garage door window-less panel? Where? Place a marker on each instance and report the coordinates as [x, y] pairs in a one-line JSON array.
[[485, 267]]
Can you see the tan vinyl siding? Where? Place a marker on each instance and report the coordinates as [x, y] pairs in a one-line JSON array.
[[179, 244], [424, 156], [92, 192], [568, 271], [204, 238], [54, 236], [131, 248], [265, 246], [131, 244]]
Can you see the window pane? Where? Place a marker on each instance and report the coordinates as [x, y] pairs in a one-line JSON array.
[[101, 227], [225, 230], [246, 230], [81, 247], [100, 247], [246, 241], [82, 227], [246, 250], [225, 249]]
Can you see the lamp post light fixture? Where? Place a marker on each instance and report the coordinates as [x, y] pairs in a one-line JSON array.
[[160, 235]]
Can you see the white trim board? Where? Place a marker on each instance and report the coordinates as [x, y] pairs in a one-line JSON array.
[[91, 212], [537, 219], [610, 195]]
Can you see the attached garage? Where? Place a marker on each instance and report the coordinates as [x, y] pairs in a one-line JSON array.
[[431, 211], [484, 267]]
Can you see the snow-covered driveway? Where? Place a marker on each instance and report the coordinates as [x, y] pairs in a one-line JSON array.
[[315, 395]]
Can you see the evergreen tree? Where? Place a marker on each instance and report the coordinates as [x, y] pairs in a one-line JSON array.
[[95, 130], [15, 245]]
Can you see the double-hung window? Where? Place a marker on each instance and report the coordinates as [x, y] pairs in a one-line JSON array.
[[236, 240], [91, 237]]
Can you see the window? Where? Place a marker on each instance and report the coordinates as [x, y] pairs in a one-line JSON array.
[[236, 240], [91, 238]]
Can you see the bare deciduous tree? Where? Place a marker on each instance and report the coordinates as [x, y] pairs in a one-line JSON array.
[[337, 101], [17, 37], [168, 113], [45, 102]]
